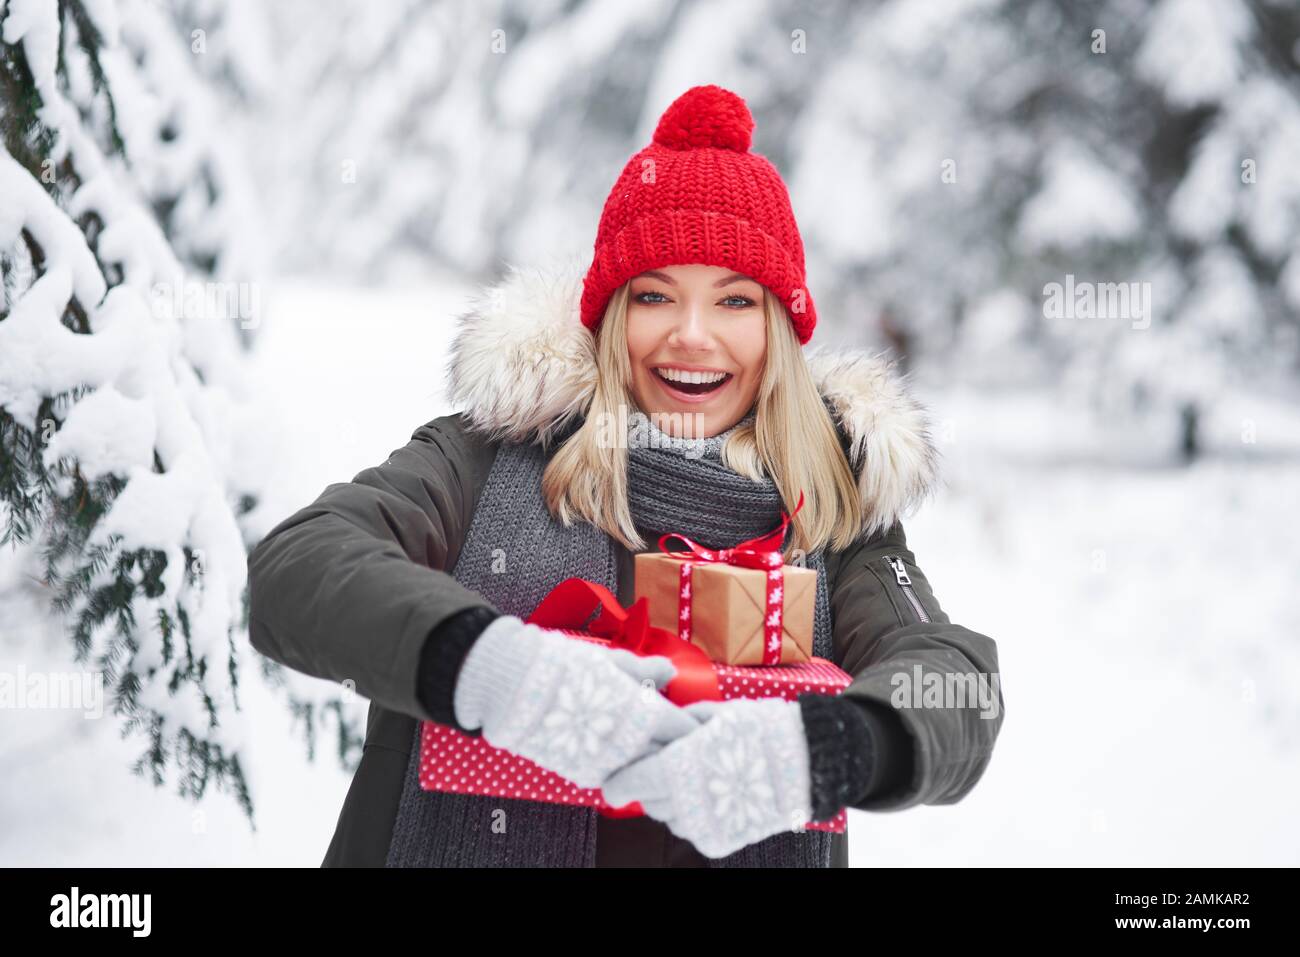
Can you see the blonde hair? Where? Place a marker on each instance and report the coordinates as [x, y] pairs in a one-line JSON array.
[[587, 476]]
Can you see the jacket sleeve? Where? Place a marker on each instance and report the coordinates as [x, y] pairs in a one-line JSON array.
[[895, 655], [352, 585]]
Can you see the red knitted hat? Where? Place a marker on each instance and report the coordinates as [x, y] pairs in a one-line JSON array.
[[697, 194]]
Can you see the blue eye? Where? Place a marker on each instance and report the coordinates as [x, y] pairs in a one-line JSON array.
[[734, 302]]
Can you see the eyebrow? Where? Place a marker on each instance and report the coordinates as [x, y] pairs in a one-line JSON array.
[[724, 281]]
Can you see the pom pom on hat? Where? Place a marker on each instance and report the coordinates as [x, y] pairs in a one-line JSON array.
[[706, 116]]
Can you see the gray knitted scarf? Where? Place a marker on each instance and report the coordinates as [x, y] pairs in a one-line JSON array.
[[678, 485]]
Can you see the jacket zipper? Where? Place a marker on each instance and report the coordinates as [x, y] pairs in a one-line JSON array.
[[905, 585]]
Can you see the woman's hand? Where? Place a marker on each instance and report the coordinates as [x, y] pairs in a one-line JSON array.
[[575, 708], [738, 778]]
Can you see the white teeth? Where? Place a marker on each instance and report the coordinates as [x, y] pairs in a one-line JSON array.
[[698, 378]]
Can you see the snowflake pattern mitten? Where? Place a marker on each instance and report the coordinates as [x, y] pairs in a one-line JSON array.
[[742, 776]]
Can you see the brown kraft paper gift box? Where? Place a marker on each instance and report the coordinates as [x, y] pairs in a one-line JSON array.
[[728, 605]]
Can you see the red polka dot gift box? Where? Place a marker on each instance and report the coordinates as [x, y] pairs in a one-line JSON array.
[[455, 762]]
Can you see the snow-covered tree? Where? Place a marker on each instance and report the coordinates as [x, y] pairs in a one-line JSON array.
[[130, 269]]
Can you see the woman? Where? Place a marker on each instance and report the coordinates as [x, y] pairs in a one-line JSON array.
[[663, 391]]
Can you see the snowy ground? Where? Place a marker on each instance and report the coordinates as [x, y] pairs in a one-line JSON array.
[[1143, 615]]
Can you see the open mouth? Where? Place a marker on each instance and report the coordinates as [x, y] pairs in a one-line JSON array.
[[692, 387]]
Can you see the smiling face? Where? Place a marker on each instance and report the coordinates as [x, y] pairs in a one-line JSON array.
[[697, 341]]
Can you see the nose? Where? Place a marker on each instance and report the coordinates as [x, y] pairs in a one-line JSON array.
[[691, 332]]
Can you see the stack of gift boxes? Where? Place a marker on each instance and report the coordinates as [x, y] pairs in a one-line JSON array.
[[736, 622]]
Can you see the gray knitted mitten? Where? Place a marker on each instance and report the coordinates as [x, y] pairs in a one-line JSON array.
[[741, 777]]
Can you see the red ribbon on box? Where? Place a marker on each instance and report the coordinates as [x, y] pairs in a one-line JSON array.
[[570, 604], [763, 552]]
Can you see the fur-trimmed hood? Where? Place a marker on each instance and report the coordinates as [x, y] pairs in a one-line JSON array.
[[523, 367]]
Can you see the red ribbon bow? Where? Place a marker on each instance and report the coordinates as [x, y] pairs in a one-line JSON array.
[[763, 552], [570, 604]]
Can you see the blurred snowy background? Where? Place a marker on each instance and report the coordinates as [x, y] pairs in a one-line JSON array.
[[233, 236]]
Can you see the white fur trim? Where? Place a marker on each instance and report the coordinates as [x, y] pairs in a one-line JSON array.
[[522, 363], [890, 446], [522, 366]]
